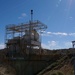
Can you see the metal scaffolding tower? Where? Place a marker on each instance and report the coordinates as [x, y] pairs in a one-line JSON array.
[[24, 36]]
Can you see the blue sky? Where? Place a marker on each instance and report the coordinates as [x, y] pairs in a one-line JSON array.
[[58, 15]]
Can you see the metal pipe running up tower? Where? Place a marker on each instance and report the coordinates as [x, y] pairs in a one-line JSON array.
[[30, 30], [31, 15]]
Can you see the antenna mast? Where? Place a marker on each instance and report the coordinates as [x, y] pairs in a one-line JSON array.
[[31, 15]]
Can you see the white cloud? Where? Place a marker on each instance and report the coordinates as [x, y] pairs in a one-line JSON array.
[[71, 18], [51, 45], [49, 33], [2, 46], [60, 33], [56, 45], [46, 46], [42, 31], [22, 16], [68, 44], [58, 3], [57, 34]]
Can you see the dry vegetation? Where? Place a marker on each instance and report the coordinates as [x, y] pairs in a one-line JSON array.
[[62, 66], [6, 70], [60, 62]]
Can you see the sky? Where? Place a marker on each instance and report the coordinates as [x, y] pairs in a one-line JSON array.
[[58, 15]]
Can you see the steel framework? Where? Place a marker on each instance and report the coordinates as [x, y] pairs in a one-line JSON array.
[[73, 43], [16, 32]]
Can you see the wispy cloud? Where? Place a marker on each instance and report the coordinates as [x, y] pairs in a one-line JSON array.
[[49, 33], [58, 3], [60, 33], [71, 34], [22, 16], [2, 46], [57, 34], [71, 18]]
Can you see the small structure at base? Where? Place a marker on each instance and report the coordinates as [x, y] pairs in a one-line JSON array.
[[73, 44]]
